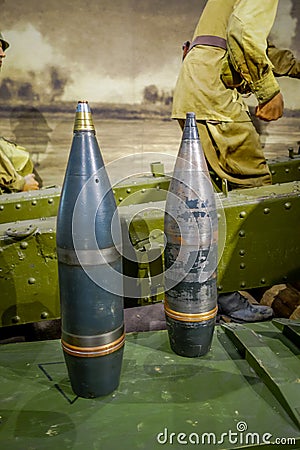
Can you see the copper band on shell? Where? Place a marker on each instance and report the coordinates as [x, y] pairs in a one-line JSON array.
[[93, 352], [187, 317]]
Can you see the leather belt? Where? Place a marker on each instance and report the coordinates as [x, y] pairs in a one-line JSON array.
[[205, 39]]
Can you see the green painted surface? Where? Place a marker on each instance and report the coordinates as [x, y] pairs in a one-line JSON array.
[[28, 272], [262, 246], [258, 247], [29, 205], [285, 169], [147, 188], [218, 394], [258, 242], [290, 329], [274, 371]]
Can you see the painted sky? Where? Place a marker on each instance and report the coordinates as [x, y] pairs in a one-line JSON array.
[[109, 50]]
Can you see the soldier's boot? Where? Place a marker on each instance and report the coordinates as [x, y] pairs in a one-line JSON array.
[[236, 306]]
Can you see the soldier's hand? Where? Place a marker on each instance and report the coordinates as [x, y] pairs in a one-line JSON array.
[[271, 110], [30, 183]]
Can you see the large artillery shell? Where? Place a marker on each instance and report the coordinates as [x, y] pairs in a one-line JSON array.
[[87, 244], [191, 249]]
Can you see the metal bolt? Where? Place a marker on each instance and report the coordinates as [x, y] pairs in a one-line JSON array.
[[243, 284], [24, 245], [273, 172], [243, 214], [34, 202], [15, 319], [263, 281], [287, 205], [50, 201], [242, 252], [120, 199], [220, 287], [287, 170], [143, 191], [128, 190], [242, 233], [44, 315], [266, 210], [18, 205], [1, 208], [31, 280], [242, 266]]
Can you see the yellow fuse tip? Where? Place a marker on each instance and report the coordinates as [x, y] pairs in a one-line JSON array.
[[83, 117]]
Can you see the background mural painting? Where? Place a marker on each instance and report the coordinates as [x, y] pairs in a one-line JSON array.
[[123, 57]]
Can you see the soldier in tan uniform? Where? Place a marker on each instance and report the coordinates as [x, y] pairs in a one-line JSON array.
[[228, 57], [15, 164], [230, 142]]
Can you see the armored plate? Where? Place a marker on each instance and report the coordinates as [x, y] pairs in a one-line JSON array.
[[28, 271], [258, 242], [29, 205]]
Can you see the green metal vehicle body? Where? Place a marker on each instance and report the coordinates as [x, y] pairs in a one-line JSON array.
[[259, 245]]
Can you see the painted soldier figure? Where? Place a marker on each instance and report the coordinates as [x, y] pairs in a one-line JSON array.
[[16, 167]]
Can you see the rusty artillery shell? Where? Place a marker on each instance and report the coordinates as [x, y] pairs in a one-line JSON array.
[[191, 230], [88, 237]]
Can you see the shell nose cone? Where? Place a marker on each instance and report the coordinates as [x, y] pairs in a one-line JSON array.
[[83, 106], [190, 115], [83, 118], [190, 130]]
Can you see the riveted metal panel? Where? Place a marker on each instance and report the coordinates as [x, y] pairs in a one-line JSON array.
[[29, 205], [28, 272], [262, 244]]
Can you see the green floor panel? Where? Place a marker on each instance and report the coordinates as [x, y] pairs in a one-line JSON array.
[[163, 400], [274, 371]]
